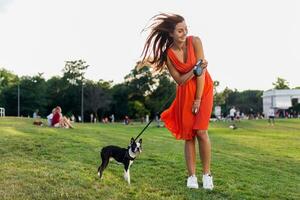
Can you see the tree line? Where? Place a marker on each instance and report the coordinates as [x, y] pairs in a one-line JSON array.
[[141, 93]]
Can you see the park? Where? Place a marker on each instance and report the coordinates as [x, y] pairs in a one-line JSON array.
[[149, 100], [256, 161]]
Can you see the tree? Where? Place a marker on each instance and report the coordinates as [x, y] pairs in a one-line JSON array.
[[163, 95], [140, 83], [7, 78], [33, 95], [61, 92], [73, 79], [74, 71], [97, 97], [9, 100], [248, 101], [137, 109], [119, 105], [281, 84]]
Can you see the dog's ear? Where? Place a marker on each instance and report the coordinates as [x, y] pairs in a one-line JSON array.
[[132, 140], [140, 141]]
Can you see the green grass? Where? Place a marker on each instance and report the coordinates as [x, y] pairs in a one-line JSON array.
[[256, 161]]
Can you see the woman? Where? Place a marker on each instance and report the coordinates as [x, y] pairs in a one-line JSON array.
[[58, 120], [50, 117], [188, 116]]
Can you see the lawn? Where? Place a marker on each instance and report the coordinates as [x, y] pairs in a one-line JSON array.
[[255, 161]]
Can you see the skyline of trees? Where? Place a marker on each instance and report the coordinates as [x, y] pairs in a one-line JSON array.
[[142, 92]]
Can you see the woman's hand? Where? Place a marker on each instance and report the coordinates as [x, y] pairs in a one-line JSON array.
[[204, 63], [196, 105]]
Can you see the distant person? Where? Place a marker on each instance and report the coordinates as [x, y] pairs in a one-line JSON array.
[[271, 116], [73, 118], [238, 115], [232, 113], [55, 122], [142, 119], [59, 120], [112, 117], [92, 117], [35, 114], [105, 120], [126, 120], [242, 115], [287, 114], [157, 119], [50, 116]]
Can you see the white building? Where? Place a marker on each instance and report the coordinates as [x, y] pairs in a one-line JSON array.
[[2, 112], [279, 99]]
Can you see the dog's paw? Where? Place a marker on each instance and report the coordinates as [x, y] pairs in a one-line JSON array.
[[99, 175]]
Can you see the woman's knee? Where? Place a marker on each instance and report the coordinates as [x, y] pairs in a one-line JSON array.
[[202, 135], [190, 142]]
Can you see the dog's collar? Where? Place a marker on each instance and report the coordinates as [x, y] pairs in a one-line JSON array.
[[130, 157]]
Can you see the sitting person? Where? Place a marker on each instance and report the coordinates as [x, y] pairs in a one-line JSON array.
[[50, 116], [58, 120], [126, 120], [36, 114]]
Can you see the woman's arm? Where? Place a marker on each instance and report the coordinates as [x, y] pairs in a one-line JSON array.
[[200, 81], [199, 55], [178, 77]]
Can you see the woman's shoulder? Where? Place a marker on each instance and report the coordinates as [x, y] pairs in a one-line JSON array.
[[195, 39]]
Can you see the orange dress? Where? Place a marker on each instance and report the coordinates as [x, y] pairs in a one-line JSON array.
[[178, 118]]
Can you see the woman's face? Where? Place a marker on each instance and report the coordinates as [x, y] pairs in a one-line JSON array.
[[58, 110], [180, 32]]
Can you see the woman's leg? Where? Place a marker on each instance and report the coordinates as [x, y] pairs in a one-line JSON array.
[[190, 156], [205, 150], [62, 123], [67, 122]]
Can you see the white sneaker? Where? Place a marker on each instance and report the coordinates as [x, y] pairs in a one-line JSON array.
[[207, 180], [192, 182]]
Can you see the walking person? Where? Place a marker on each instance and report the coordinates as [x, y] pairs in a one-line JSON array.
[[188, 116], [232, 113], [271, 115]]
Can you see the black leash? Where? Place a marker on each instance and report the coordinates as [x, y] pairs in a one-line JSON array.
[[157, 114]]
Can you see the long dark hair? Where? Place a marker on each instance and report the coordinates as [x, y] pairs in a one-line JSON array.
[[159, 39]]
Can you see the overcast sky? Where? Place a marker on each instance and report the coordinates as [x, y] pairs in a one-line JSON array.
[[248, 43]]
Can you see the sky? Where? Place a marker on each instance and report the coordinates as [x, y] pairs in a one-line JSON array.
[[248, 43]]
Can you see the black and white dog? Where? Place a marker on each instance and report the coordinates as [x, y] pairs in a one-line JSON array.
[[121, 155]]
